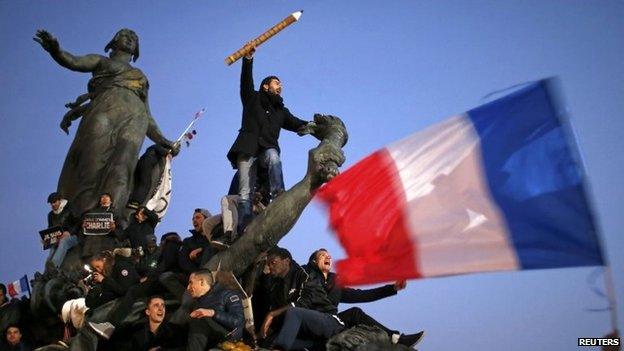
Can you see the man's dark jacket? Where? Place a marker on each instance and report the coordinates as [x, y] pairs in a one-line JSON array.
[[284, 291], [167, 337], [122, 276], [138, 232], [228, 309], [263, 117], [195, 241], [337, 294], [64, 219]]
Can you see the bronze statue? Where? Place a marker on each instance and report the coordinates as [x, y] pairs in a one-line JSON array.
[[114, 123]]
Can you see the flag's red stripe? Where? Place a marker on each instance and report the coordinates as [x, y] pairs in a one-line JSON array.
[[367, 211], [12, 291]]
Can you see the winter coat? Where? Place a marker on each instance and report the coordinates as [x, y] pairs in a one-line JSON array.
[[167, 337], [284, 291], [63, 217], [197, 240], [228, 309], [262, 119], [122, 276], [138, 232], [337, 294]]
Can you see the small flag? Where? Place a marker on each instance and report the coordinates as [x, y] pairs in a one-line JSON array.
[[497, 188], [18, 287]]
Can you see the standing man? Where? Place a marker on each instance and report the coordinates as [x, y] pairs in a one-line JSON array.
[[264, 114]]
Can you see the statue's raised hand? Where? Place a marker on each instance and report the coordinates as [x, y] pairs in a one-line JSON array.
[[323, 163], [46, 40], [65, 124]]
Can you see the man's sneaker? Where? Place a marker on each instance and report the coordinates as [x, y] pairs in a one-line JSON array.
[[410, 340], [105, 330]]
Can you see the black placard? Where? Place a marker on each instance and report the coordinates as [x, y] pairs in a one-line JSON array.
[[50, 236], [97, 223]]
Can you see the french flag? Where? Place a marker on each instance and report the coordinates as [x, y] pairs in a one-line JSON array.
[[497, 188], [19, 287]]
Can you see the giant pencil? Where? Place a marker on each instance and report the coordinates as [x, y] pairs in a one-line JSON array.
[[293, 17]]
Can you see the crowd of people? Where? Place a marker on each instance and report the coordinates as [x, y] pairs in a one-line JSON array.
[[294, 307]]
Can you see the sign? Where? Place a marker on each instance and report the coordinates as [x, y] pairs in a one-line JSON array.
[[50, 236], [97, 223]]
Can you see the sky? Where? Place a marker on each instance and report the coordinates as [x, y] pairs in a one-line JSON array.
[[387, 69]]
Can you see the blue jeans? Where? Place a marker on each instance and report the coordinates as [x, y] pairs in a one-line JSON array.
[[57, 254], [312, 324], [247, 173]]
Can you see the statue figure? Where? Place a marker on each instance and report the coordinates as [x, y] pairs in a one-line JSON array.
[[114, 122]]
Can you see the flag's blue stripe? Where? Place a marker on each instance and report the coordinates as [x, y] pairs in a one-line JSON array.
[[536, 180], [24, 284]]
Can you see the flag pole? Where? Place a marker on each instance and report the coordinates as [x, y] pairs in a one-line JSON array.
[[27, 285], [190, 125], [611, 295]]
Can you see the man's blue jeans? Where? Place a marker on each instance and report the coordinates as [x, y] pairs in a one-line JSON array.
[[247, 174], [57, 254], [313, 324]]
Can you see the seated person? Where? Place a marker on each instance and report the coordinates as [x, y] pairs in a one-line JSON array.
[[309, 318], [112, 277], [170, 275], [13, 340], [147, 265], [141, 226], [94, 244], [4, 300], [60, 216], [196, 249], [156, 332], [217, 313], [319, 270]]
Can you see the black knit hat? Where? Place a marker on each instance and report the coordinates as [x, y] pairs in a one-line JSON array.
[[54, 197]]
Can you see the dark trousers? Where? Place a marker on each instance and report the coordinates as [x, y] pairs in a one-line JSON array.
[[174, 282], [204, 333], [124, 308], [143, 175], [310, 323], [354, 316]]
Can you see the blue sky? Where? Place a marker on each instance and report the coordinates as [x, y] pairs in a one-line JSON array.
[[387, 69]]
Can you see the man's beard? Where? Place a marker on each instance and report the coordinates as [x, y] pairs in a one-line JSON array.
[[275, 100]]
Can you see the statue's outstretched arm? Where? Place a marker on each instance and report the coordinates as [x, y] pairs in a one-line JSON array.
[[281, 215], [155, 134], [86, 63]]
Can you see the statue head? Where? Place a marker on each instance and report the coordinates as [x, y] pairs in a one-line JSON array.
[[125, 40]]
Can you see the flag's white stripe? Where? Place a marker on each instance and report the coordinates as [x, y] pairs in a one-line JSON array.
[[456, 226]]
